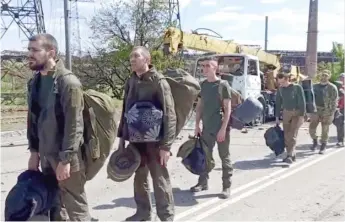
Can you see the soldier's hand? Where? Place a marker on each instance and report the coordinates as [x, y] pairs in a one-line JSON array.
[[63, 171], [164, 157], [197, 131], [34, 161], [221, 135]]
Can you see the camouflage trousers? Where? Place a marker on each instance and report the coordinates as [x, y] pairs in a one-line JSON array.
[[325, 119], [224, 154], [150, 163], [292, 121]]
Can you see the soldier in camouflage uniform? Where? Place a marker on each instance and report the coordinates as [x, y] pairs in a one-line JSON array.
[[340, 127], [326, 98]]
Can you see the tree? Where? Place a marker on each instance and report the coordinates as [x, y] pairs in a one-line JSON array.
[[14, 75], [337, 67], [338, 51], [117, 28]]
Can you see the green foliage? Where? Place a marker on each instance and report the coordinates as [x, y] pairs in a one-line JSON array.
[[336, 68], [117, 28], [162, 62]]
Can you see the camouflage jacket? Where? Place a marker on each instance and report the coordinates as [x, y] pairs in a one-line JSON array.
[[330, 98], [148, 88], [56, 131]]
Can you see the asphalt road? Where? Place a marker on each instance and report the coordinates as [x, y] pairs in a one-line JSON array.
[[263, 189]]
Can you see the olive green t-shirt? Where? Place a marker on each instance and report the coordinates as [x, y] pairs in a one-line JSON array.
[[45, 89], [211, 114]]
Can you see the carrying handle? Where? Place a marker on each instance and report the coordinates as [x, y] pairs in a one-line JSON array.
[[197, 139], [144, 104]]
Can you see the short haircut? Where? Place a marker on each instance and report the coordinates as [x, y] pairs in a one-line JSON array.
[[145, 52], [211, 58], [49, 41], [282, 75]]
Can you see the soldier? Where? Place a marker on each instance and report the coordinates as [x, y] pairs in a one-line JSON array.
[[290, 98], [139, 87], [214, 125], [340, 127], [326, 98], [55, 134]]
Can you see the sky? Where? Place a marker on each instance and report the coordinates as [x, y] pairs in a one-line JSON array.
[[242, 21]]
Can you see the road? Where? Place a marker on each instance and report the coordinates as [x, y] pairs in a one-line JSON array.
[[263, 188]]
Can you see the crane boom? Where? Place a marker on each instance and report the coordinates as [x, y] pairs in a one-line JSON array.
[[175, 40]]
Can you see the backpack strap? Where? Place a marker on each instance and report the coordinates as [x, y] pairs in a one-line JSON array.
[[220, 89], [57, 88]]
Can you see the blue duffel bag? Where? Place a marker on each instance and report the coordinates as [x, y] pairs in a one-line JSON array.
[[274, 137]]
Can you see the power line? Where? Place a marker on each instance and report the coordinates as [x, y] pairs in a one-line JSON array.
[[75, 29]]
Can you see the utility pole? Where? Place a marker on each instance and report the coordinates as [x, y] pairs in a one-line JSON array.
[[311, 57], [266, 32], [67, 35]]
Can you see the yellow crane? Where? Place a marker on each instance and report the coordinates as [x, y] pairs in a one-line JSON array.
[[238, 64], [176, 40]]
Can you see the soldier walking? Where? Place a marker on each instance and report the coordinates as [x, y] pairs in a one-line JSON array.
[[340, 127], [142, 86], [55, 134], [290, 98], [214, 123], [326, 98]]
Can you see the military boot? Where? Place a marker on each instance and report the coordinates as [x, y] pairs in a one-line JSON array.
[[323, 148], [290, 159], [313, 147], [340, 144], [139, 217], [199, 187], [225, 194]]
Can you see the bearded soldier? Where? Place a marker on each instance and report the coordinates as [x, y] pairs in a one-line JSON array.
[[326, 98]]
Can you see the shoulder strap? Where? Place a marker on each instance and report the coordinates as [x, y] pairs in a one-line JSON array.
[[220, 88], [280, 92], [58, 106]]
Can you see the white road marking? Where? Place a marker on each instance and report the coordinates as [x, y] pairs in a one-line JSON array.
[[263, 186], [236, 190]]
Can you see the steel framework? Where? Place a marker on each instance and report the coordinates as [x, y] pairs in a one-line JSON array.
[[27, 14], [75, 27], [174, 13]]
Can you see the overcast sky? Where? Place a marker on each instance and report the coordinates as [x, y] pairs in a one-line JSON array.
[[243, 21]]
